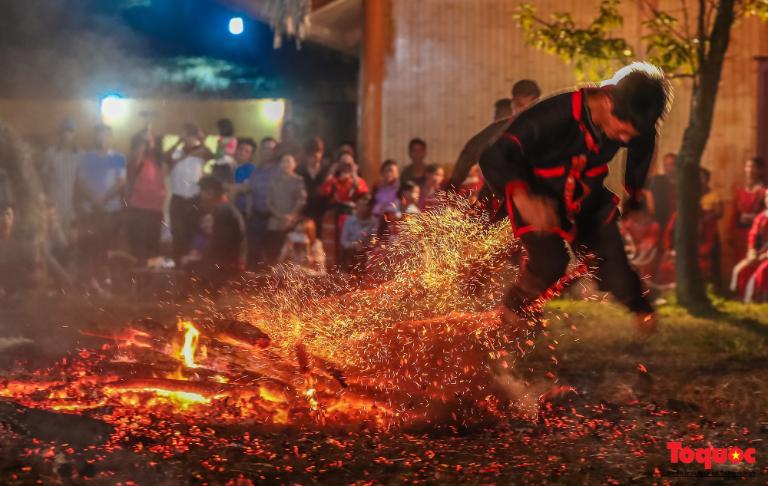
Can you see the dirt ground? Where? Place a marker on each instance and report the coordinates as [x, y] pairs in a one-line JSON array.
[[701, 381]]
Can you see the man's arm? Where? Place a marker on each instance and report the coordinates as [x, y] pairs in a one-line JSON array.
[[506, 163], [474, 148], [639, 155]]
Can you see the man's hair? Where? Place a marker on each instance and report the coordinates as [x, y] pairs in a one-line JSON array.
[[268, 139], [432, 169], [526, 88], [641, 95], [406, 186], [758, 162], [211, 183], [503, 104], [387, 163], [416, 141], [247, 141], [314, 145], [190, 130], [226, 127]]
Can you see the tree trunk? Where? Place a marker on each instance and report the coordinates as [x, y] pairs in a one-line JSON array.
[[691, 291]]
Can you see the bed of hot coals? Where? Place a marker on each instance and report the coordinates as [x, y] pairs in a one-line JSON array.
[[405, 375]]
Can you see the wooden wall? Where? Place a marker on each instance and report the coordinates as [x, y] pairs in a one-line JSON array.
[[451, 59]]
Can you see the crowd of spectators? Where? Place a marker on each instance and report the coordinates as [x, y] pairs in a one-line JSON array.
[[214, 214], [246, 206], [649, 229]]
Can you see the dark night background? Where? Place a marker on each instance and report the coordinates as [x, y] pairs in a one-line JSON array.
[[50, 48], [82, 49]]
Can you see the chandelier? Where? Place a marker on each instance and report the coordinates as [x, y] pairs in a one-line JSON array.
[[288, 18]]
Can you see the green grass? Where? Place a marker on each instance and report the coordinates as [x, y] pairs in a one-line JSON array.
[[711, 361]]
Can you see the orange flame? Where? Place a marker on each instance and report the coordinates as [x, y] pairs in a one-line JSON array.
[[191, 338]]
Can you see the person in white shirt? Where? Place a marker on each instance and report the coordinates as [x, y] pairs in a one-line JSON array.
[[185, 162]]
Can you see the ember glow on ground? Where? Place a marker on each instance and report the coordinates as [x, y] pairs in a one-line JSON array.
[[331, 381]]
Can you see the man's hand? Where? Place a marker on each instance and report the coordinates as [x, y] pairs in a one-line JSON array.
[[537, 211]]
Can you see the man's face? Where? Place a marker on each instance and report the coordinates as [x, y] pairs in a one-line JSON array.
[[418, 153], [520, 103], [503, 112], [104, 139], [436, 178], [267, 150], [208, 199], [390, 174], [191, 140], [751, 171], [669, 163], [314, 158], [243, 153], [412, 196], [287, 164], [617, 129]]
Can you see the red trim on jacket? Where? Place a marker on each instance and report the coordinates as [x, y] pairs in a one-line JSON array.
[[512, 137], [578, 103], [596, 171], [550, 172]]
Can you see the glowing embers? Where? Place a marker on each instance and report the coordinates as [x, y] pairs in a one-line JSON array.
[[402, 345]]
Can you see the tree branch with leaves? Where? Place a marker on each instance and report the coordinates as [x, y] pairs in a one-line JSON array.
[[682, 52]]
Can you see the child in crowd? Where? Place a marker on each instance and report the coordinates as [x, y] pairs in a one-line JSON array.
[[433, 183], [385, 192], [341, 189], [224, 165], [304, 249], [409, 196], [358, 235], [474, 182], [227, 142]]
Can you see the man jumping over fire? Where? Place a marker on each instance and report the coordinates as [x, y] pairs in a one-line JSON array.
[[549, 167]]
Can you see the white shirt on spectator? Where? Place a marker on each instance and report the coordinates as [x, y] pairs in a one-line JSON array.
[[185, 175]]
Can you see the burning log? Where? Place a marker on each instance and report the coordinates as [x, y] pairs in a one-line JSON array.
[[276, 391], [241, 333]]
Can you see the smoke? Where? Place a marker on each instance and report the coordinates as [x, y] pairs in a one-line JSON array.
[[77, 48]]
